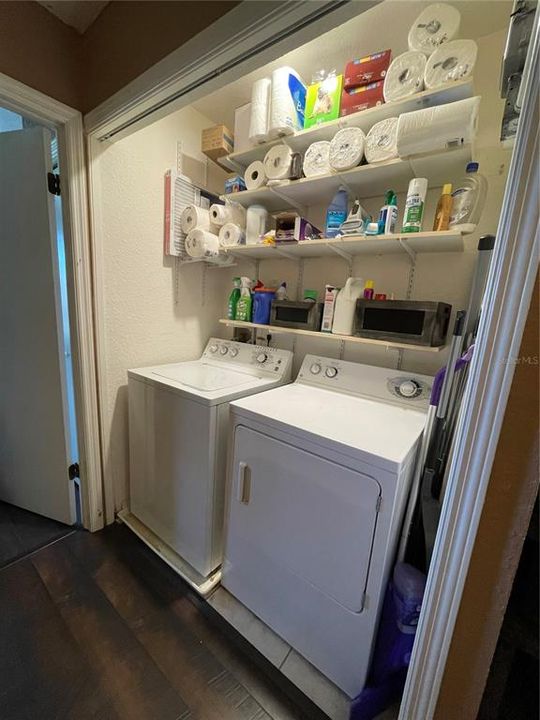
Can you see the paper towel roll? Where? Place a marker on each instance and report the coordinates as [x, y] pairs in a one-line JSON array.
[[256, 222], [436, 24], [231, 212], [194, 216], [260, 110], [231, 235], [347, 149], [255, 176], [405, 76], [381, 141], [201, 243], [438, 128], [288, 100], [278, 162], [451, 62], [317, 159]]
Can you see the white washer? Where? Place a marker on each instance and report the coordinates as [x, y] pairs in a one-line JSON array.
[[319, 477], [178, 428]]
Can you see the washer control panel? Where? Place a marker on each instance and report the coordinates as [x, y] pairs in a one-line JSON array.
[[260, 359]]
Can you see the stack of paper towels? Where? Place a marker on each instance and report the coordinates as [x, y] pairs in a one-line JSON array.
[[231, 220], [277, 105]]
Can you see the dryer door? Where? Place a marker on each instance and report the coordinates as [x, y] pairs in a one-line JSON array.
[[295, 510]]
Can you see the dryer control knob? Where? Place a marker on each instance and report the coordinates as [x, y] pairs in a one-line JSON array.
[[213, 348], [223, 349], [315, 369], [331, 372], [233, 352], [261, 357], [409, 389]]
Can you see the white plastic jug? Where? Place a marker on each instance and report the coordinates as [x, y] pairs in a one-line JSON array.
[[345, 306]]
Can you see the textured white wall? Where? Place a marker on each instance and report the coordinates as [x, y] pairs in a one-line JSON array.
[[154, 315]]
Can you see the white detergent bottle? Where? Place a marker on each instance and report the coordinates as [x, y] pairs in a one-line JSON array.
[[345, 306]]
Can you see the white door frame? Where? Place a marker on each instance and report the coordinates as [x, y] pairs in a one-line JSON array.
[[68, 123]]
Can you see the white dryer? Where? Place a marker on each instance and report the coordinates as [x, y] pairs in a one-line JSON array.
[[319, 477], [178, 428]]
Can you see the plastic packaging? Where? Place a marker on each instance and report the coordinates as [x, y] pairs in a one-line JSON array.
[[317, 159], [245, 301], [262, 305], [468, 200], [381, 141], [450, 63], [233, 299], [388, 215], [345, 306], [356, 221], [414, 205], [323, 100], [256, 220], [347, 148], [368, 290], [336, 214], [436, 25], [444, 208], [405, 76]]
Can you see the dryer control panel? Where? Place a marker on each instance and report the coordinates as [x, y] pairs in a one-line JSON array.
[[381, 384]]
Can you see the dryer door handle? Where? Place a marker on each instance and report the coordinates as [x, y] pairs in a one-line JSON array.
[[244, 483]]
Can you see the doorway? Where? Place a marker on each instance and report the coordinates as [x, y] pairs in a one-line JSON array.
[[39, 487]]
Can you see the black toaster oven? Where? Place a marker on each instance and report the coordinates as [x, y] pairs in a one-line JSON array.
[[416, 322]]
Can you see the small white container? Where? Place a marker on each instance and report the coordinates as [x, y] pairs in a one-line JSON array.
[[345, 306], [256, 223]]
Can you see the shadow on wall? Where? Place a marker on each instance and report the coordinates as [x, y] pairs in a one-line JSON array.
[[117, 459]]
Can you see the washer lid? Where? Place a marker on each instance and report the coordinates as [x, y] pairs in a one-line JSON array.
[[201, 376], [380, 433]]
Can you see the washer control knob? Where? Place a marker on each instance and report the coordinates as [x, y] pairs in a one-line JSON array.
[[213, 348], [409, 389], [233, 352], [315, 369], [223, 349], [331, 372], [261, 358]]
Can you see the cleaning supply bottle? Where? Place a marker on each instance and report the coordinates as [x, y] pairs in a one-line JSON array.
[[468, 200], [336, 213], [345, 306], [281, 292], [369, 290], [233, 299], [245, 301], [388, 214], [444, 208], [414, 205]]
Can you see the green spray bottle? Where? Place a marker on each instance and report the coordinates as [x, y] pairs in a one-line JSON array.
[[245, 302], [233, 299]]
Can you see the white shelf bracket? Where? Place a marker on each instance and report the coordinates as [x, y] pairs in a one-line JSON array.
[[286, 254], [302, 209], [345, 255], [408, 249]]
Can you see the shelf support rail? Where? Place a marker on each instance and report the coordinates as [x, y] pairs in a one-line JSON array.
[[345, 255], [408, 249]]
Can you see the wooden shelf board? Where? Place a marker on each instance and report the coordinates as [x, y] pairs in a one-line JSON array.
[[329, 336]]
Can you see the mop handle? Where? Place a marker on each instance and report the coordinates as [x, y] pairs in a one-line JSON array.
[[455, 351]]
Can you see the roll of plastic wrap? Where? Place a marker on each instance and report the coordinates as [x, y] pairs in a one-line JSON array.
[[231, 235], [381, 141], [255, 176], [437, 24], [195, 217], [288, 99], [256, 222], [438, 128], [201, 243], [278, 162], [347, 149], [231, 212], [405, 76], [451, 62], [317, 159], [260, 110]]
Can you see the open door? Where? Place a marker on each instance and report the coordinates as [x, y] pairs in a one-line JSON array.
[[34, 437]]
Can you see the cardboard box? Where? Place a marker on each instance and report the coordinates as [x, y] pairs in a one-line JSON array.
[[368, 69], [363, 97], [330, 295], [216, 142], [291, 227], [323, 101], [242, 119]]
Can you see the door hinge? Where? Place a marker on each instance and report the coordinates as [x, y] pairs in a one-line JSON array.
[[53, 183], [73, 471]]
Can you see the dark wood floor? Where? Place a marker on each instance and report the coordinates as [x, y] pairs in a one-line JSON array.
[[96, 626]]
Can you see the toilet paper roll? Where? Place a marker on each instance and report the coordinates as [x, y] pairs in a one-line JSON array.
[[194, 216], [278, 162], [317, 159], [451, 62], [381, 141], [405, 76], [231, 235], [287, 103], [231, 212], [347, 149], [256, 223], [255, 176], [437, 24], [438, 128], [201, 243], [260, 110]]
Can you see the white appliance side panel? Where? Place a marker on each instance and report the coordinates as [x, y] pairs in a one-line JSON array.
[[175, 500], [220, 464], [140, 473]]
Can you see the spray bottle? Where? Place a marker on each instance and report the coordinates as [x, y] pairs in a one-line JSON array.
[[233, 299], [414, 205], [388, 215], [245, 303]]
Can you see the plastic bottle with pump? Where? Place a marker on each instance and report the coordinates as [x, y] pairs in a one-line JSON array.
[[468, 200], [233, 299], [388, 215], [245, 301], [345, 306], [444, 208], [336, 214]]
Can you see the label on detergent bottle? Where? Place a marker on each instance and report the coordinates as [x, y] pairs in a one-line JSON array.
[[334, 220]]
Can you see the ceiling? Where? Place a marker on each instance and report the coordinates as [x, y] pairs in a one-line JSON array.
[[78, 14]]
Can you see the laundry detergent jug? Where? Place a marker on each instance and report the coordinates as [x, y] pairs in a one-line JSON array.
[[345, 306]]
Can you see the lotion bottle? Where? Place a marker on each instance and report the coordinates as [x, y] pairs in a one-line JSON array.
[[444, 208]]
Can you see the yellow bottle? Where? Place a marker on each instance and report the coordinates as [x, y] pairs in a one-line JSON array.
[[444, 209]]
